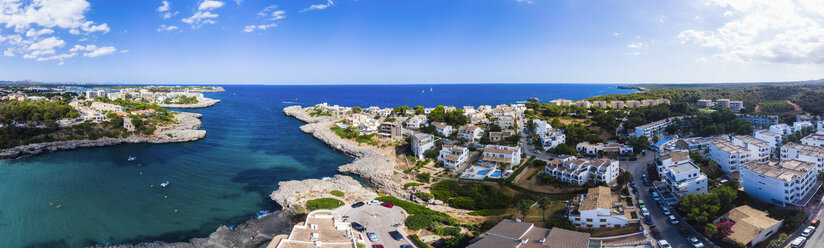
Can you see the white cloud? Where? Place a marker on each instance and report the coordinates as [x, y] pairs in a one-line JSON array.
[[781, 31], [66, 14], [8, 53], [164, 6], [328, 4], [524, 1], [100, 51], [210, 5], [35, 33], [164, 27], [203, 14], [636, 45], [270, 14], [47, 44], [616, 34]]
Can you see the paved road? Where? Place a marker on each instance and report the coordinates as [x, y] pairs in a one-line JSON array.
[[379, 219], [669, 231], [815, 240]]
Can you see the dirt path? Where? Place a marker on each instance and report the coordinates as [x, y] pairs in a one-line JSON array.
[[795, 107]]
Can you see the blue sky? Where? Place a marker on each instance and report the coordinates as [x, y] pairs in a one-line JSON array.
[[411, 41]]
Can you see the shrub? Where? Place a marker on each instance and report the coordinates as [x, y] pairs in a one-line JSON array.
[[424, 196], [337, 193], [412, 184], [420, 216], [323, 203], [418, 241], [488, 212], [424, 177], [447, 231]]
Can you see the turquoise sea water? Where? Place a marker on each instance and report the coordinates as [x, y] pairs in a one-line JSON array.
[[222, 179]]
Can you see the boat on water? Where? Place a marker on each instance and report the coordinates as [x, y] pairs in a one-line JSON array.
[[132, 158], [164, 184]]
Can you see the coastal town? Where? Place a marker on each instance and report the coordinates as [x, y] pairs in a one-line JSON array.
[[509, 176]]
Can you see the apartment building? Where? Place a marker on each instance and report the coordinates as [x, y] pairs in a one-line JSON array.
[[704, 103], [685, 178], [579, 171], [814, 139], [736, 105], [100, 106], [653, 129], [728, 156], [391, 130], [772, 139], [617, 104], [505, 121], [759, 150], [782, 129], [442, 128], [496, 137], [806, 153], [788, 182], [614, 148], [453, 156], [800, 126], [696, 144], [599, 208], [760, 120]]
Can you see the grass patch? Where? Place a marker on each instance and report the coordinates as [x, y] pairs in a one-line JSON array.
[[337, 193], [412, 184], [323, 203], [488, 212]]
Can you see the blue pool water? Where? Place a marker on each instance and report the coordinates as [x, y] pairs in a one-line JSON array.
[[496, 174], [483, 172], [224, 178]]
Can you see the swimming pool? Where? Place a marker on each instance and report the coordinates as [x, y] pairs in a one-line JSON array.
[[483, 172], [496, 174]]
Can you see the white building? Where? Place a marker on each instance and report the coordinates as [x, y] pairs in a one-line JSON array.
[[470, 132], [696, 144], [654, 129], [806, 153], [599, 208], [453, 156], [736, 105], [704, 103], [615, 148], [92, 94], [551, 139], [751, 227], [780, 182], [760, 120], [772, 139], [497, 154], [685, 178], [578, 171], [814, 139], [671, 158], [505, 121], [420, 143], [416, 121], [799, 126], [99, 106], [442, 128], [477, 117], [759, 150], [782, 129], [728, 156], [540, 126]]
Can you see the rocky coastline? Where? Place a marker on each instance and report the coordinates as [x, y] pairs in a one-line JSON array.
[[202, 103], [186, 129]]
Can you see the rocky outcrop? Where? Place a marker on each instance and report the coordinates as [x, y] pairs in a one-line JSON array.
[[371, 164], [184, 130], [202, 103], [253, 233], [297, 192]]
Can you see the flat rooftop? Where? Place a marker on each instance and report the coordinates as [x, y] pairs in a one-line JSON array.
[[683, 168], [728, 147], [781, 170]]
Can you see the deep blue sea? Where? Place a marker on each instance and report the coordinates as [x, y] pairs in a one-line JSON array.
[[96, 196]]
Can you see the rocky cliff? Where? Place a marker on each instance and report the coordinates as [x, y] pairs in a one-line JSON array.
[[203, 103]]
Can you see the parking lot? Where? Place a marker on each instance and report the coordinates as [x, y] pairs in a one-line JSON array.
[[380, 220]]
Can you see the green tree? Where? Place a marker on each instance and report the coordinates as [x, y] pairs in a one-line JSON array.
[[401, 111], [419, 110], [356, 109], [544, 203], [523, 206], [710, 230], [639, 143]]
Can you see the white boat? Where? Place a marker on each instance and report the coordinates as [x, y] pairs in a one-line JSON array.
[[164, 184], [132, 158], [430, 89]]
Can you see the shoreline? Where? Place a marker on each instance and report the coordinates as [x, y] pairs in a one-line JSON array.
[[205, 103], [184, 131]]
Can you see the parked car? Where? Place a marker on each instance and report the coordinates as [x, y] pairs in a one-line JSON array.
[[373, 202], [641, 204], [358, 204], [659, 203], [635, 191], [646, 182], [683, 231], [808, 231], [406, 246], [798, 242], [695, 242], [656, 196], [665, 210], [373, 237], [673, 220], [396, 235], [387, 205], [377, 246], [647, 220], [656, 233], [663, 244], [814, 222], [358, 226], [645, 211]]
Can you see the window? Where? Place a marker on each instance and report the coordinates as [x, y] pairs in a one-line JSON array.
[[603, 220], [589, 220]]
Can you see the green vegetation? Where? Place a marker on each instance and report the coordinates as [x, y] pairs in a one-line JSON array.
[[337, 193], [44, 111], [418, 241], [699, 210], [453, 118], [420, 216], [778, 106], [353, 133], [412, 184], [181, 100], [424, 177], [424, 196], [15, 136], [323, 203], [472, 196], [488, 212]]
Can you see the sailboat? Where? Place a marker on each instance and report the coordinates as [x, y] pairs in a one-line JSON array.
[[430, 89], [132, 158], [164, 184]]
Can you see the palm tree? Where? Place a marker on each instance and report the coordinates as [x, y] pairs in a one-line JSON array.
[[524, 206], [544, 204]]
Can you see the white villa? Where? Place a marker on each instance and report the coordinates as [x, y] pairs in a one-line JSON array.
[[505, 121], [453, 156], [616, 148], [497, 154], [599, 208], [422, 142], [416, 121], [470, 132], [442, 128]]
